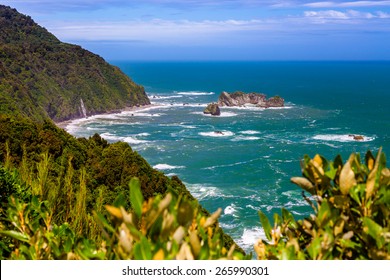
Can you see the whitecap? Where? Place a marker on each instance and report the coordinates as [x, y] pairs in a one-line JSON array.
[[250, 236], [279, 108], [223, 133], [222, 115], [250, 132], [230, 210], [157, 97], [163, 166], [228, 114], [143, 134], [109, 136], [194, 93], [127, 139], [202, 191], [138, 114], [132, 140], [342, 138], [245, 138]]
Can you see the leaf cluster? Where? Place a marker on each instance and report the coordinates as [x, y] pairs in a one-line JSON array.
[[351, 203]]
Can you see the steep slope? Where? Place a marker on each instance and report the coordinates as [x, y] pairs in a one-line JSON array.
[[42, 77]]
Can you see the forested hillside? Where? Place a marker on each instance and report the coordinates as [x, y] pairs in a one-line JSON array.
[[41, 77]]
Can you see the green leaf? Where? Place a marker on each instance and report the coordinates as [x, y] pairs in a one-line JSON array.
[[142, 250], [374, 230], [288, 217], [15, 235], [331, 172], [266, 225], [104, 222], [314, 248], [324, 213], [136, 197], [372, 177]]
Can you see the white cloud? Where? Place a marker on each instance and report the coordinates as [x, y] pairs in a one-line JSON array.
[[351, 4], [323, 16], [383, 15], [330, 14], [153, 30]]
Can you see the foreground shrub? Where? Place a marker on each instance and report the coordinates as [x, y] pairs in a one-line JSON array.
[[168, 227], [350, 220], [351, 204]]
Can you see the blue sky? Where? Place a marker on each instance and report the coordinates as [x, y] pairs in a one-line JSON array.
[[218, 29]]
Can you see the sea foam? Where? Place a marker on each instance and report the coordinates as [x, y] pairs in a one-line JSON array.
[[250, 132], [222, 115], [127, 139], [223, 133], [341, 138], [194, 93], [163, 166], [245, 138], [250, 236]]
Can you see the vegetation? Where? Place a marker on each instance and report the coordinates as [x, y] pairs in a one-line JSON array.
[[168, 227], [351, 204], [42, 78], [69, 179], [350, 220], [68, 198]]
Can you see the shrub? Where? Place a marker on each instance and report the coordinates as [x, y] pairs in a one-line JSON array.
[[164, 227], [351, 204]]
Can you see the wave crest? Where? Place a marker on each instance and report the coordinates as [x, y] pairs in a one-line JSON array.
[[343, 138]]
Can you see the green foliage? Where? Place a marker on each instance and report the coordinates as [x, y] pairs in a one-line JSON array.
[[42, 78], [76, 177], [35, 237], [351, 203], [168, 227]]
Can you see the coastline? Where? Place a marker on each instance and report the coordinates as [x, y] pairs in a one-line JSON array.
[[65, 124]]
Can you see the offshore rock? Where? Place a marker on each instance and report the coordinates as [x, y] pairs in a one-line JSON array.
[[356, 137], [212, 109], [240, 98]]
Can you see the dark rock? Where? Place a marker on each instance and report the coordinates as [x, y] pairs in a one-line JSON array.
[[212, 109], [357, 137]]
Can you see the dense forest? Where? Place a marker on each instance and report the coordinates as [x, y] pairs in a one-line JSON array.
[[41, 77], [68, 198]]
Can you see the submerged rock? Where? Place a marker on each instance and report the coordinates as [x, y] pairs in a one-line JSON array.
[[212, 109], [240, 98]]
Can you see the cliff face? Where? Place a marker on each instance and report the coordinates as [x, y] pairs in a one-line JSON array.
[[41, 77], [239, 98]]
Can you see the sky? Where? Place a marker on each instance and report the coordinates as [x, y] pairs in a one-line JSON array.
[[207, 30]]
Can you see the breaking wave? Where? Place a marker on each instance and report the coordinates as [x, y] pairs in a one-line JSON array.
[[194, 93], [343, 138], [163, 166], [222, 133]]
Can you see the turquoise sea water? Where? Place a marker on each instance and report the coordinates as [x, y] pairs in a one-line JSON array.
[[248, 167]]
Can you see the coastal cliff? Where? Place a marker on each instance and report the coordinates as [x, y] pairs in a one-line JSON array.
[[42, 77]]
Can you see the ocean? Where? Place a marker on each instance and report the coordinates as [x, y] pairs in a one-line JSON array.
[[248, 167]]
